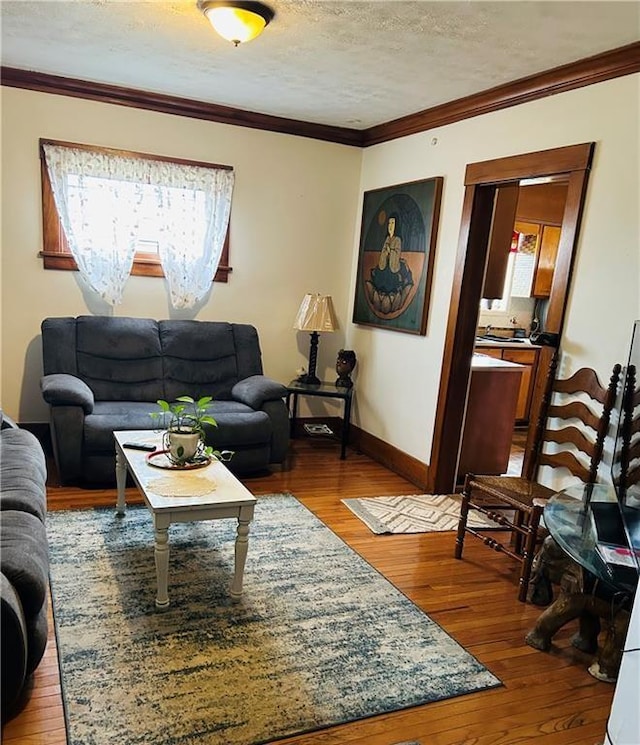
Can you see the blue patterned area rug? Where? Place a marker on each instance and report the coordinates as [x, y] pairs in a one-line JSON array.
[[320, 637]]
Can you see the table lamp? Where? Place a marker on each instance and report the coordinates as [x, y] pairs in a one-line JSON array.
[[315, 315]]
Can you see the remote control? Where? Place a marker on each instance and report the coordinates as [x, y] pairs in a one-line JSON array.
[[139, 446]]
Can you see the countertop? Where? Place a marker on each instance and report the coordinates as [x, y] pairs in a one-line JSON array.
[[484, 362], [524, 344]]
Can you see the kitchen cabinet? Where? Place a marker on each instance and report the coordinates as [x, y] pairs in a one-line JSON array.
[[542, 203], [546, 263], [504, 215], [536, 259], [528, 358], [490, 416], [536, 212]]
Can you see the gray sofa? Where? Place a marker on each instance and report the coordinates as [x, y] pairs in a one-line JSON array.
[[103, 374], [24, 561]]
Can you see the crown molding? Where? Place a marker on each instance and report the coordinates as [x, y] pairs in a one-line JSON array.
[[113, 94], [606, 66], [597, 69]]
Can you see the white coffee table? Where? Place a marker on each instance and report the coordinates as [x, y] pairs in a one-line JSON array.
[[227, 498]]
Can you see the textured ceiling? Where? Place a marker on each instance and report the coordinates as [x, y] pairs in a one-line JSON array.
[[351, 64]]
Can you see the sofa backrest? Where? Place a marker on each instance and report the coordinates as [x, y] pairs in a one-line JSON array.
[[140, 359], [207, 358]]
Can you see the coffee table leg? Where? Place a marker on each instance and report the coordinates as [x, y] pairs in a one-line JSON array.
[[162, 562], [242, 545], [121, 480]]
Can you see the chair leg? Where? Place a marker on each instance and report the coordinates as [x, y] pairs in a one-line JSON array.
[[464, 514], [529, 552], [518, 519]]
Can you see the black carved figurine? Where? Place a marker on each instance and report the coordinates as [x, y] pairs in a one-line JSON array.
[[344, 365]]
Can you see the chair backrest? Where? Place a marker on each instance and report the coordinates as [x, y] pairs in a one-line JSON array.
[[626, 454], [575, 416]]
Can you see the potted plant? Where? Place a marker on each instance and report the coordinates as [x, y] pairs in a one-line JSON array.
[[184, 421]]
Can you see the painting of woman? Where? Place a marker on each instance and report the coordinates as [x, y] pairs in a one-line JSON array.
[[397, 244], [391, 279]]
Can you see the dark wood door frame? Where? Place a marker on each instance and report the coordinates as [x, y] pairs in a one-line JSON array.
[[481, 181]]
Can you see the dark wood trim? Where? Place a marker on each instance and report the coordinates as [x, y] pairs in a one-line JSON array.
[[475, 228], [397, 461], [165, 104], [597, 69], [132, 154], [606, 66], [63, 261], [481, 180], [56, 253], [564, 159]]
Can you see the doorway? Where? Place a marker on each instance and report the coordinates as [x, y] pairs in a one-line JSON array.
[[481, 182]]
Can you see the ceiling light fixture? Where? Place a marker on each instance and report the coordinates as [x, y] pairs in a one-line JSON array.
[[235, 20]]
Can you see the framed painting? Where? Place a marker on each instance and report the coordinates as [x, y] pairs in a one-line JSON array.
[[396, 255]]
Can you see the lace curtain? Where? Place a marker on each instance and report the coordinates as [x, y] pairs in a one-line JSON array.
[[108, 203]]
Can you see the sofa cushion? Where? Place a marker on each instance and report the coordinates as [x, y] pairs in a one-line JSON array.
[[238, 425], [24, 558], [120, 359], [199, 359], [110, 416], [238, 429], [23, 473]]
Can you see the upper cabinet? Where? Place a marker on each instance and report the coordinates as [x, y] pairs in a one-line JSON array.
[[547, 253], [504, 215], [526, 224], [542, 203]]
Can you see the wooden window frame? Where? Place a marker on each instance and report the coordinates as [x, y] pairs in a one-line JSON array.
[[56, 253]]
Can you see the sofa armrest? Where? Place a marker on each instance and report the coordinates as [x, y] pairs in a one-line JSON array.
[[6, 422], [60, 389], [256, 390], [14, 645]]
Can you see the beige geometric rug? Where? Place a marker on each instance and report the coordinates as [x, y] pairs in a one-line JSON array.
[[412, 513]]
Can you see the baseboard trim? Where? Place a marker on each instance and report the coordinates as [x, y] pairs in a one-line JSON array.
[[395, 460]]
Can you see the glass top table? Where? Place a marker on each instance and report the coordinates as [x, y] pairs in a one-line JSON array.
[[571, 517]]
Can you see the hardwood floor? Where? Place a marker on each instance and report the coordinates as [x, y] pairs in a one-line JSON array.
[[546, 698]]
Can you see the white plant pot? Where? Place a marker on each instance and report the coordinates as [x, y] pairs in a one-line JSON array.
[[182, 446]]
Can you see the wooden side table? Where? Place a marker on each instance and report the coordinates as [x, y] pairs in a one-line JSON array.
[[324, 390]]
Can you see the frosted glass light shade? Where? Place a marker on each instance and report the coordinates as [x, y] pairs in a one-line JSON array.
[[238, 21]]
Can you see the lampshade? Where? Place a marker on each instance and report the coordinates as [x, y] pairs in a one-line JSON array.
[[316, 314], [235, 20]]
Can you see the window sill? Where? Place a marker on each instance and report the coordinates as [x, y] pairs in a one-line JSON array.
[[141, 267]]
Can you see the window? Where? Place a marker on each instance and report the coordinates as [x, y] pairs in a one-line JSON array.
[[157, 187]]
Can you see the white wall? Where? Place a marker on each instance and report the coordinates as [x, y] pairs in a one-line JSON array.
[[295, 228], [398, 374], [292, 225]]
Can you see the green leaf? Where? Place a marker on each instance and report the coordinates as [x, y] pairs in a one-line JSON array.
[[186, 399]]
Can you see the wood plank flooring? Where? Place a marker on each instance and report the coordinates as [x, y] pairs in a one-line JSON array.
[[547, 698]]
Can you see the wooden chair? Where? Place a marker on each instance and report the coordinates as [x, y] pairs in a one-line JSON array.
[[568, 433]]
